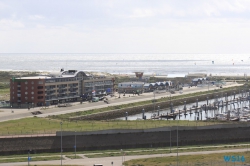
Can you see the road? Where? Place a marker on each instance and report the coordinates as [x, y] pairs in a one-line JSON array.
[[117, 161], [6, 113]]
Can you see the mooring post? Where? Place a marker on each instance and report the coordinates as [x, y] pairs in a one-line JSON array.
[[207, 100], [126, 115], [185, 108], [171, 107], [143, 111], [158, 110]]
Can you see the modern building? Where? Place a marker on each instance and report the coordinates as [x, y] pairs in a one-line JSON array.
[[130, 87], [61, 87]]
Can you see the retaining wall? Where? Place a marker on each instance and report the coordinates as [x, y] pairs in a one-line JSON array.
[[138, 139]]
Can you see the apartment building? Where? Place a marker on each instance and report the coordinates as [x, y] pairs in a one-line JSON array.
[[60, 87]]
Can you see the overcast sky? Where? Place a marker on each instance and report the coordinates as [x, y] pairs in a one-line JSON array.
[[125, 26]]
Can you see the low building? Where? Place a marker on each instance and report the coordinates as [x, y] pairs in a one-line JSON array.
[[61, 87], [131, 87]]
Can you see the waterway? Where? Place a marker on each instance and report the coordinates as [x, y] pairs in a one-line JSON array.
[[199, 115]]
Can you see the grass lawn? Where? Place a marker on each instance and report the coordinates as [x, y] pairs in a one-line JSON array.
[[25, 159], [166, 150], [37, 125], [73, 157], [191, 160], [4, 93]]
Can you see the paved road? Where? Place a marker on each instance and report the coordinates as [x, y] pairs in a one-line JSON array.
[[6, 114], [106, 161]]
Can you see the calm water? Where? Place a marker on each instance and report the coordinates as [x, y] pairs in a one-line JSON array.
[[157, 64], [193, 116]]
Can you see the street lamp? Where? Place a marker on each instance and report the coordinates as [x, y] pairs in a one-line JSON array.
[[29, 157], [75, 144], [122, 155], [61, 142], [177, 145], [158, 111]]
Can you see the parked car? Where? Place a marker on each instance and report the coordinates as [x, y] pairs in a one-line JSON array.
[[95, 99]]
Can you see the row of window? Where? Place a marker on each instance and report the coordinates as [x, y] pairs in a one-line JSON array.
[[39, 92], [19, 88], [26, 98]]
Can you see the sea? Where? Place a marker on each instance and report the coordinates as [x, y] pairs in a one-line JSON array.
[[113, 63]]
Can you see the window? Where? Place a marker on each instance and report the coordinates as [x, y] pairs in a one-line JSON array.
[[32, 87], [13, 97], [26, 98], [32, 82], [32, 93], [26, 82], [40, 82], [40, 87], [40, 97], [26, 87], [40, 92], [13, 92], [26, 93], [32, 98]]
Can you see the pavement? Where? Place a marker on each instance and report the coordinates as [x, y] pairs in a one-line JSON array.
[[16, 113], [117, 161]]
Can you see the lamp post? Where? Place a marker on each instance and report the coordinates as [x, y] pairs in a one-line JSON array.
[[75, 144], [61, 142], [154, 100], [158, 111], [28, 157], [122, 155], [177, 145]]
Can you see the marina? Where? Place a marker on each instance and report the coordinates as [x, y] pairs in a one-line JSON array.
[[228, 108]]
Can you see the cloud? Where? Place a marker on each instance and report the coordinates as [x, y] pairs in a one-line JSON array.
[[36, 17], [8, 24]]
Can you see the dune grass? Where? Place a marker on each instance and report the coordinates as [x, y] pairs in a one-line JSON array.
[[25, 159], [216, 159], [36, 125]]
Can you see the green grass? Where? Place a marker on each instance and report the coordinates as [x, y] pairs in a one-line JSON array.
[[25, 159], [192, 160], [4, 92], [166, 150], [73, 157], [37, 125]]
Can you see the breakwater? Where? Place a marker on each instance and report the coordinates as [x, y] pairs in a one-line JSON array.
[[151, 107]]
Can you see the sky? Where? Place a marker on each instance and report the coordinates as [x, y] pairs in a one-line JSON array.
[[125, 26]]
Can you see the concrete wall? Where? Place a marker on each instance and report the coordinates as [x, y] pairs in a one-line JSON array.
[[138, 139], [159, 129]]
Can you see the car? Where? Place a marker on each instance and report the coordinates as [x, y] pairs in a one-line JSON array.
[[101, 98], [172, 92], [95, 99]]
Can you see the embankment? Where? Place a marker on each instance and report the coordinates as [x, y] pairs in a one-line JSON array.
[[122, 139]]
